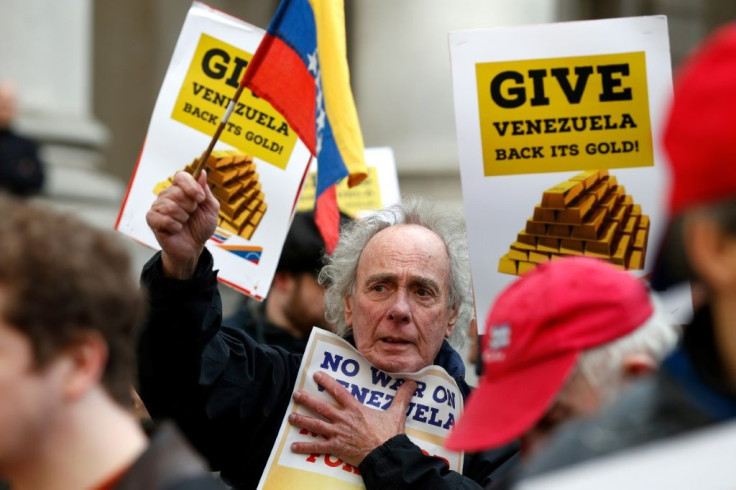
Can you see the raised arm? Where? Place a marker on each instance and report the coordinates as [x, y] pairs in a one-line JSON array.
[[183, 217], [226, 392]]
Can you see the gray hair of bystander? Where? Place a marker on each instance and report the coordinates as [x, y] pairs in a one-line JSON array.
[[602, 366]]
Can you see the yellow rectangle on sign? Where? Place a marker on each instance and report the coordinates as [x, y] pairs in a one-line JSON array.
[[254, 127], [562, 114], [363, 197]]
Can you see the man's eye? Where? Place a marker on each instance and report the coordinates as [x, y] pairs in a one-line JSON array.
[[424, 292], [379, 288]]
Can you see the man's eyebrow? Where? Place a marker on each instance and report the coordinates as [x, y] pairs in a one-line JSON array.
[[380, 277], [421, 281], [425, 282]]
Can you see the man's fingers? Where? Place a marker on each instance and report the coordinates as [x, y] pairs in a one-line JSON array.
[[209, 197], [403, 396], [162, 223], [191, 188], [169, 208], [321, 447], [338, 391], [311, 424], [202, 180], [320, 407]]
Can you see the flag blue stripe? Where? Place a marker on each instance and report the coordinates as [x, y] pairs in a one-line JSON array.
[[294, 24], [333, 169]]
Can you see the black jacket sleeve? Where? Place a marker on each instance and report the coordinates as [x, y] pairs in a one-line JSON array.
[[21, 169], [227, 393], [399, 464]]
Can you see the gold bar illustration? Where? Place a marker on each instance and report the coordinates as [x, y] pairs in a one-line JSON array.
[[588, 214]]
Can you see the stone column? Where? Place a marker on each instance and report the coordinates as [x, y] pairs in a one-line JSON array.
[[46, 51]]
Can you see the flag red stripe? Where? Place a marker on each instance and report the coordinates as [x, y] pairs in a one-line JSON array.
[[327, 218], [285, 69]]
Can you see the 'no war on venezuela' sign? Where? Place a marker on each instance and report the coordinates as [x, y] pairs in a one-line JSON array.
[[558, 114]]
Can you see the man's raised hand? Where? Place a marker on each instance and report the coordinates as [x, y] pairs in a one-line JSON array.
[[182, 218]]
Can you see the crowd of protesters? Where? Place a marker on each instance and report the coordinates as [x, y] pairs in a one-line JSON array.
[[574, 340]]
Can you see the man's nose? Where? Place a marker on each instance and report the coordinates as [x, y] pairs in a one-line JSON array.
[[399, 310]]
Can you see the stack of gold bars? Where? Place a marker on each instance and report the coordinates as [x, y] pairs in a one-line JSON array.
[[234, 182], [590, 215]]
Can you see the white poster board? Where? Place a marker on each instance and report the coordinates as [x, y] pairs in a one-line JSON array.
[[699, 459], [256, 198], [379, 190], [536, 106], [432, 412]]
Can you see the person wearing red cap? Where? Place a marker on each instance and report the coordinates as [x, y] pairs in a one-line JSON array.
[[695, 386], [560, 341]]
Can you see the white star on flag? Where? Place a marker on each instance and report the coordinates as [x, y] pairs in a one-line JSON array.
[[313, 69]]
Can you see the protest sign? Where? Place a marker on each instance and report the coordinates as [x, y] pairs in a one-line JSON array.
[[699, 459], [257, 166], [558, 135], [378, 190], [432, 412]]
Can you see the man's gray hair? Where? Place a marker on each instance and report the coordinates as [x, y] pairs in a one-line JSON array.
[[338, 276], [603, 366]]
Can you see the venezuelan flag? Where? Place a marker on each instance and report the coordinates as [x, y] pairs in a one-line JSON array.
[[301, 68]]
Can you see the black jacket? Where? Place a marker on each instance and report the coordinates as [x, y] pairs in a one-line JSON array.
[[21, 171], [229, 393]]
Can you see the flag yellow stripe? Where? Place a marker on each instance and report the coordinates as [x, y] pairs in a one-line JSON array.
[[329, 16]]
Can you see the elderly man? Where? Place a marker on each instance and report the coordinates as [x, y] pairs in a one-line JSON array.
[[69, 312], [396, 285]]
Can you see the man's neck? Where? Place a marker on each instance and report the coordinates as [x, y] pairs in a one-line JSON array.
[[97, 439], [724, 326]]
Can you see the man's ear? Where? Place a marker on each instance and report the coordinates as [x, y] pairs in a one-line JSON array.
[[283, 281], [349, 311], [88, 355], [636, 365], [452, 322]]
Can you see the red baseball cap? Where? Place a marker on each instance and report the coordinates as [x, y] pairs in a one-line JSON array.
[[699, 140], [535, 332]]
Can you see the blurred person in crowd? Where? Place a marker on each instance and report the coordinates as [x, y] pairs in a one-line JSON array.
[[21, 170], [295, 302], [69, 312], [396, 285], [561, 342], [696, 385]]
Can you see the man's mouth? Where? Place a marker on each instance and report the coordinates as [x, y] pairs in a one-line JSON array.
[[394, 340]]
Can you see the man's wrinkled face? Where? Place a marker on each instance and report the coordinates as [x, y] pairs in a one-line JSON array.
[[399, 311]]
